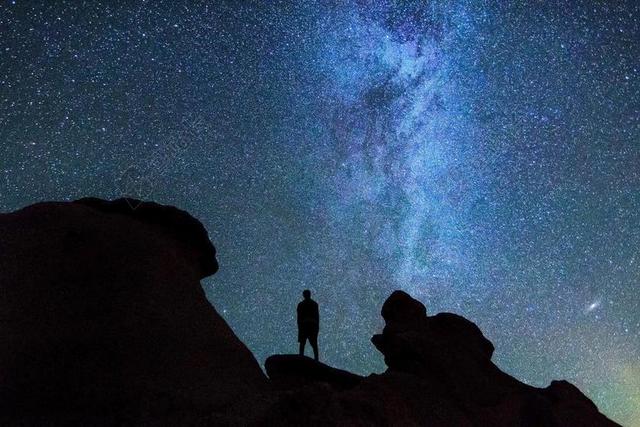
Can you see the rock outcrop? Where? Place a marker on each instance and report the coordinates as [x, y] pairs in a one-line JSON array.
[[439, 373], [450, 354], [104, 320], [288, 371]]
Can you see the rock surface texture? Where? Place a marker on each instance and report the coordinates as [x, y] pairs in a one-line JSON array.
[[104, 322]]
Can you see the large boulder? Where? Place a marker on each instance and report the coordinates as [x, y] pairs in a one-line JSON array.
[[288, 371], [104, 318], [447, 355], [445, 349]]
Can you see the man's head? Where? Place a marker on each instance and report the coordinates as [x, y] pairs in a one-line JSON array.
[[306, 294]]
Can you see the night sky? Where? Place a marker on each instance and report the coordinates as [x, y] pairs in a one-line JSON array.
[[483, 157]]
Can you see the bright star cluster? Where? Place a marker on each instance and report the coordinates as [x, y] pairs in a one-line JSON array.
[[483, 156]]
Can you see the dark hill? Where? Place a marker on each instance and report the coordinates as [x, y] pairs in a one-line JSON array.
[[104, 322]]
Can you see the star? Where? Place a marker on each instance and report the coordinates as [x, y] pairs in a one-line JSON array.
[[479, 155]]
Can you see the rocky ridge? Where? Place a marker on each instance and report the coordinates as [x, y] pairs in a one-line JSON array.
[[105, 323]]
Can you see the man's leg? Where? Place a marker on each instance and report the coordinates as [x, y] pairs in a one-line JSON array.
[[313, 340], [303, 340]]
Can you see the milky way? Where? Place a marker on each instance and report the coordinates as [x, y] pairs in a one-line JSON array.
[[482, 157]]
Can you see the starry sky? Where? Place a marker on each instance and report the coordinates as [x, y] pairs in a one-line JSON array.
[[482, 156]]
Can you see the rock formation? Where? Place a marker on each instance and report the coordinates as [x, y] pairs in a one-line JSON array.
[[439, 373], [104, 322], [289, 371], [104, 318]]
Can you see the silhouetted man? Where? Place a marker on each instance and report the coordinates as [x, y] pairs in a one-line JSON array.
[[308, 323]]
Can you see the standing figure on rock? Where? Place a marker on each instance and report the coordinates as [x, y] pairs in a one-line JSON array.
[[308, 323]]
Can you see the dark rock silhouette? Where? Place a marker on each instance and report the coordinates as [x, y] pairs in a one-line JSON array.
[[440, 374], [104, 322], [288, 371], [444, 349], [178, 224], [104, 318]]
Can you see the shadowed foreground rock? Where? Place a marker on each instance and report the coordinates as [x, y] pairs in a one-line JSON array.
[[104, 319], [104, 322], [440, 374], [290, 370]]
